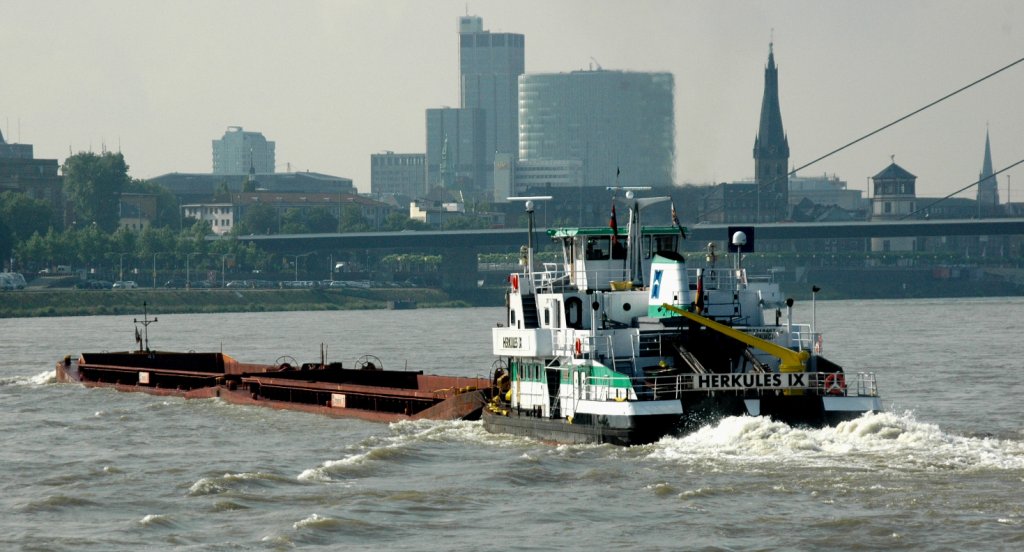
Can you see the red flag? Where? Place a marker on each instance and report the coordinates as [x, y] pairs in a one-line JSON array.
[[614, 224]]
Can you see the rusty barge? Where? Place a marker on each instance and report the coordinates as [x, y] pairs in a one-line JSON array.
[[366, 391]]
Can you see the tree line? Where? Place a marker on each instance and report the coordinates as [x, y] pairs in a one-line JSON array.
[[86, 232]]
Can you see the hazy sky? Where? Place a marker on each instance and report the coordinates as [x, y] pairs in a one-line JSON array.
[[333, 81]]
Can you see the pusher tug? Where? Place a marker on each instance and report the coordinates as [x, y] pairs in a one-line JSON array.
[[624, 344]]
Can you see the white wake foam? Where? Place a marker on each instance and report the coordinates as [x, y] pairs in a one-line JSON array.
[[403, 437], [873, 441], [42, 378]]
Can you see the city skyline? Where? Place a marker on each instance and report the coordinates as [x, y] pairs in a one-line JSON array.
[[332, 83]]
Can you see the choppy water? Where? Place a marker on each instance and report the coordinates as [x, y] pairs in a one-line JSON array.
[[94, 469]]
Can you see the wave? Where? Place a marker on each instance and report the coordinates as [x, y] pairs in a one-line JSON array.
[[316, 521], [42, 378], [156, 520], [373, 451], [873, 441], [53, 503], [229, 481]]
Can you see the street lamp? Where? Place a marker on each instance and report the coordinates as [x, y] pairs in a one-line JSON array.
[[222, 259], [188, 278], [297, 257], [154, 265], [120, 265]]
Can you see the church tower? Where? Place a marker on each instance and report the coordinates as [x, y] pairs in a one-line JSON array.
[[988, 187], [771, 152]]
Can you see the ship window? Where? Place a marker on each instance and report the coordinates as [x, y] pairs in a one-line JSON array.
[[512, 318], [619, 248], [664, 243], [597, 249], [547, 318]]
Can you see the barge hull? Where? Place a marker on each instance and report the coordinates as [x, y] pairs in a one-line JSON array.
[[373, 395]]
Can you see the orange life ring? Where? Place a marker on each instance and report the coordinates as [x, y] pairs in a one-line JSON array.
[[579, 348], [515, 282], [835, 384]]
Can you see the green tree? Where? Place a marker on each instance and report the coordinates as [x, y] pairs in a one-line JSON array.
[[89, 246], [93, 184], [463, 222], [6, 242], [352, 220], [167, 207], [24, 215], [293, 222], [259, 219], [321, 221]]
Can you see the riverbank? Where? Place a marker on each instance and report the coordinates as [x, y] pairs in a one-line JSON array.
[[70, 302], [835, 283]]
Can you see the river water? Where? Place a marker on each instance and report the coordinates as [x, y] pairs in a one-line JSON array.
[[94, 469]]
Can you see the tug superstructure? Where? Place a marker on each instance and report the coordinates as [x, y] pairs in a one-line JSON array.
[[623, 342]]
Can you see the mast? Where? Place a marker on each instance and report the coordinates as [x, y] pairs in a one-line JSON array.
[[528, 204]]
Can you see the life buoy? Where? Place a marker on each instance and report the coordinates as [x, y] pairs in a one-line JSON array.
[[835, 384], [515, 282], [578, 348]]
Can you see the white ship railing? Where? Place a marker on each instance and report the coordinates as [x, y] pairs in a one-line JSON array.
[[726, 278], [649, 388]]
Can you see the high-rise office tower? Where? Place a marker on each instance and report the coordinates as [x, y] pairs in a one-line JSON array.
[[238, 151], [489, 69]]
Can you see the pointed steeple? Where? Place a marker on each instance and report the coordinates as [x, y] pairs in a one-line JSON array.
[[771, 149], [988, 187]]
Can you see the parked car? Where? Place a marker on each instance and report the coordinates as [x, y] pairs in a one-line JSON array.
[[174, 284], [125, 284], [12, 281]]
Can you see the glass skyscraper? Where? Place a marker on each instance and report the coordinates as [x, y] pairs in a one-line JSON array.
[[489, 68], [610, 120]]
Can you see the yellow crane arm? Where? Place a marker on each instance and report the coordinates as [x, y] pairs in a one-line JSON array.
[[791, 361]]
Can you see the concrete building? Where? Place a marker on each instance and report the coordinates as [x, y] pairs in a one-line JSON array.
[[730, 202], [619, 125], [826, 190], [136, 212], [239, 150], [398, 174], [21, 172], [221, 216], [894, 198], [375, 213], [489, 69], [196, 188]]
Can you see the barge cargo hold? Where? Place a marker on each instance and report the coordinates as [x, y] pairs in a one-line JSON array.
[[367, 391]]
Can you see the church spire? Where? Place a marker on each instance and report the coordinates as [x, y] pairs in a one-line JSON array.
[[771, 150], [988, 187]]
